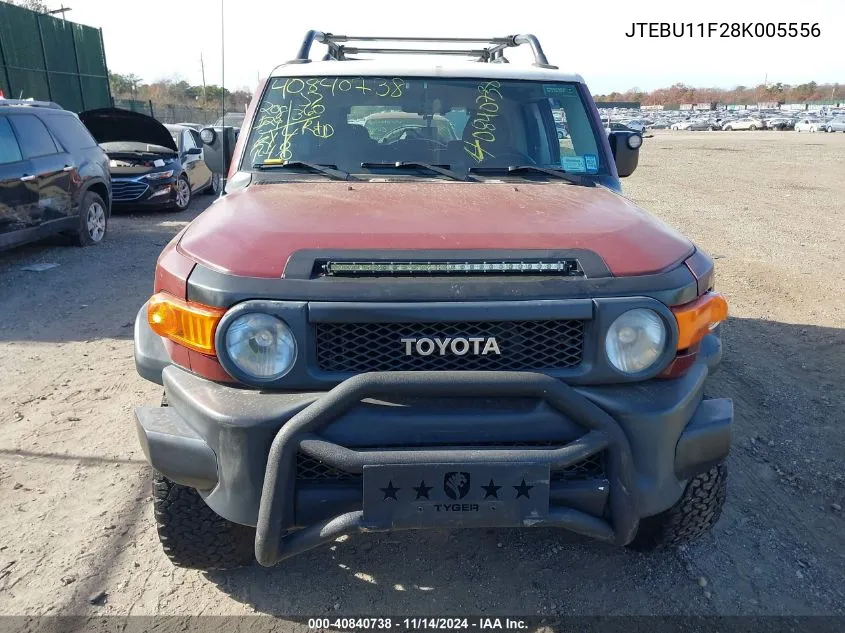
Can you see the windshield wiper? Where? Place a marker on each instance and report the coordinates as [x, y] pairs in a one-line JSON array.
[[443, 170], [329, 170], [555, 172]]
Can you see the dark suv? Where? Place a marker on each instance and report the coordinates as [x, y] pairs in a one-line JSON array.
[[53, 176]]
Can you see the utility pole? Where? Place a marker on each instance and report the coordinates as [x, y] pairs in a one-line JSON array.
[[223, 91], [202, 67], [62, 10], [223, 63]]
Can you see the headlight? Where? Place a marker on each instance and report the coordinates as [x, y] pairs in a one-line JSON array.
[[159, 175], [261, 346], [635, 340]]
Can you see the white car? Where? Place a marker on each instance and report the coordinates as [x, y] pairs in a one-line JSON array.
[[636, 125], [808, 125], [744, 124]]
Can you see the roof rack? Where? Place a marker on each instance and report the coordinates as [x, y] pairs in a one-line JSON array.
[[493, 52], [31, 103]]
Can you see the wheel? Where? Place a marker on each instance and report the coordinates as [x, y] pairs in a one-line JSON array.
[[729, 129], [812, 129], [93, 220], [214, 188], [695, 513], [752, 127], [193, 535], [829, 130], [183, 193]]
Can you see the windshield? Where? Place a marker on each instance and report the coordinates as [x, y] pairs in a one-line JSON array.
[[465, 124]]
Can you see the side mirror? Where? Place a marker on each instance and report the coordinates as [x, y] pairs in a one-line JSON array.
[[207, 134], [193, 151], [625, 147], [218, 152]]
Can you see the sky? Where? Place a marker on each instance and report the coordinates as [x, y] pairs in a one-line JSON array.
[[165, 38]]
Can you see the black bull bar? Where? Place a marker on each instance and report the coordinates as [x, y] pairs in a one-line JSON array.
[[300, 433]]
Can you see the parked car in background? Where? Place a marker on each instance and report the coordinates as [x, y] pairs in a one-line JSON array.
[[53, 177], [231, 119], [748, 123], [152, 165], [836, 124], [187, 138], [389, 127], [703, 124], [636, 125], [780, 123], [617, 127], [807, 125]]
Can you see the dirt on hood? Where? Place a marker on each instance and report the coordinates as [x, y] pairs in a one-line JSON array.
[[254, 231]]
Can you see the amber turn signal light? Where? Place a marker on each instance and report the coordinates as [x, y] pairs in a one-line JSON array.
[[189, 324], [697, 318]]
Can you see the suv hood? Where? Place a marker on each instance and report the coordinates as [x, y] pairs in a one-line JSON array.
[[252, 232], [108, 125]]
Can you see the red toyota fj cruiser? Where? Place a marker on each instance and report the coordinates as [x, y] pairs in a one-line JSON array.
[[423, 302]]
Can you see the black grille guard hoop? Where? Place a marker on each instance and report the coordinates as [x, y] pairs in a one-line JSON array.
[[276, 513]]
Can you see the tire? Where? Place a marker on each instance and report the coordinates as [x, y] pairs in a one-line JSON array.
[[183, 194], [829, 130], [213, 189], [729, 129], [752, 127], [193, 535], [695, 513], [93, 221]]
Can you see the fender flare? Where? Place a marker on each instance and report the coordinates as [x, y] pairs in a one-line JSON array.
[[96, 180]]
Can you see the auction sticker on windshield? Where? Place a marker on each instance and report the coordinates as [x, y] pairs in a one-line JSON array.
[[574, 164]]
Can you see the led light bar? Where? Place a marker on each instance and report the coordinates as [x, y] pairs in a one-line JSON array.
[[566, 267]]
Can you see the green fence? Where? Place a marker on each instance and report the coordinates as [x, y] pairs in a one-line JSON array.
[[49, 59]]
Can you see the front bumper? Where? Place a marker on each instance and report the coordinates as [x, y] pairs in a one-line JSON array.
[[241, 448], [140, 194]]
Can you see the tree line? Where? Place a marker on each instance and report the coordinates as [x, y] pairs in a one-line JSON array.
[[176, 92], [780, 92]]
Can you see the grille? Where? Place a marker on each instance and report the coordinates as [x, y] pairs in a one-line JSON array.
[[524, 346], [310, 469], [127, 190], [590, 468]]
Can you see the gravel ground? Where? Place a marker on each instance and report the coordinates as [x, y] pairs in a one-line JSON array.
[[77, 531]]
